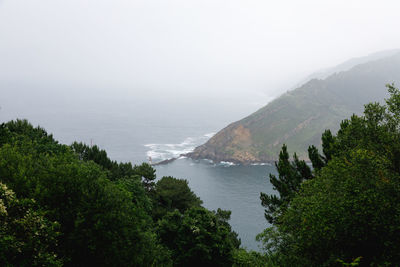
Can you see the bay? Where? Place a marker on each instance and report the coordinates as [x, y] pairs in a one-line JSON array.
[[230, 187], [132, 129]]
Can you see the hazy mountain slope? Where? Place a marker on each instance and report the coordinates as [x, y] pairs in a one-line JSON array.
[[299, 117], [347, 65]]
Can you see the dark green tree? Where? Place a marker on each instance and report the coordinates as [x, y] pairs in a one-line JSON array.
[[148, 175], [244, 258], [114, 170], [199, 237], [170, 194], [318, 161], [349, 212], [27, 238], [100, 222], [291, 175], [76, 207]]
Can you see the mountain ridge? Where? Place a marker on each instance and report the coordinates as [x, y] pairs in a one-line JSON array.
[[298, 117]]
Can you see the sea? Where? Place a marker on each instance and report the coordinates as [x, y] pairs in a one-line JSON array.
[[132, 129]]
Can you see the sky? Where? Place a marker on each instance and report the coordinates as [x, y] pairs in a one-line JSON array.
[[184, 48]]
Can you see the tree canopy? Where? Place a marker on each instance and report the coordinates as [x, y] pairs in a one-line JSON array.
[[349, 211], [73, 206]]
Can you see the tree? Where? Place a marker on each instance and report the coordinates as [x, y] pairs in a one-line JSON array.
[[170, 194], [291, 175], [147, 173], [27, 238], [100, 221], [199, 237], [244, 258], [114, 170], [21, 130], [349, 211], [73, 206]]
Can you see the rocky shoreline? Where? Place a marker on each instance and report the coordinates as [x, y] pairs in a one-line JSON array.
[[193, 156], [164, 162], [219, 159]]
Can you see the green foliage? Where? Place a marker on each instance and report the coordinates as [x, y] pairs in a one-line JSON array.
[[170, 194], [115, 170], [27, 238], [318, 161], [349, 213], [328, 141], [147, 174], [20, 131], [198, 237], [73, 206], [355, 262], [137, 193], [244, 258], [315, 158], [99, 156], [93, 153], [291, 175], [101, 222]]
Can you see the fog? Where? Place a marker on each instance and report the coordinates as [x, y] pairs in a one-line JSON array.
[[236, 54]]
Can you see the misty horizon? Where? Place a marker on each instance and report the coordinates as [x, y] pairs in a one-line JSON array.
[[212, 62], [184, 48]]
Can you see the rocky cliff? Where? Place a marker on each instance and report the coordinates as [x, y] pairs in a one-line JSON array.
[[299, 117]]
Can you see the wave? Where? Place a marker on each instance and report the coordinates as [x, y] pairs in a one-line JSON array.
[[209, 135], [261, 164], [227, 163], [160, 152]]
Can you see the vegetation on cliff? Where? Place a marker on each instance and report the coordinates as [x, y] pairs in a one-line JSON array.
[[299, 117]]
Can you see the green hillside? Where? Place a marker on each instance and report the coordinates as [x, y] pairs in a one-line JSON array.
[[299, 117]]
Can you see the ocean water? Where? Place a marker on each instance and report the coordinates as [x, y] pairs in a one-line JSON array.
[[230, 187], [131, 130]]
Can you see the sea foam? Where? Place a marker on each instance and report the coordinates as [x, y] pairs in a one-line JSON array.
[[160, 152]]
